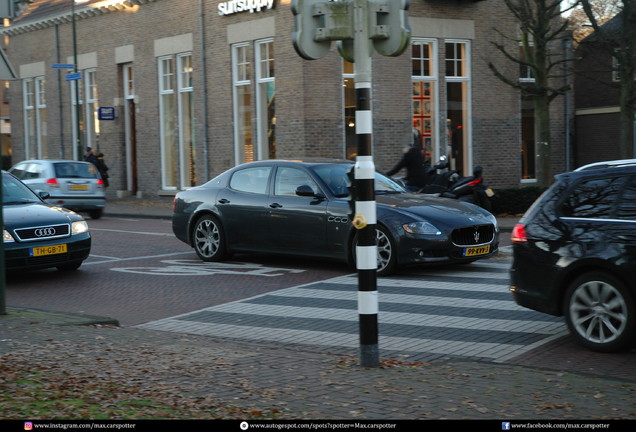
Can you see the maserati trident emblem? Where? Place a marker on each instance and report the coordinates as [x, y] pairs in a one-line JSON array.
[[476, 236]]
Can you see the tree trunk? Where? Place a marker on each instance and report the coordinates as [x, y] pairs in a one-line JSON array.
[[626, 145], [542, 140]]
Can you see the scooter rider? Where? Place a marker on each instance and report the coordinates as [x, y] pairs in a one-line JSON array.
[[413, 160]]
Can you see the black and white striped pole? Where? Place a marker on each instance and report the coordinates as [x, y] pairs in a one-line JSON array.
[[359, 26], [364, 218]]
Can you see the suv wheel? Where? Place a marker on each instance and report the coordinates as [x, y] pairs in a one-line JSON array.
[[599, 311]]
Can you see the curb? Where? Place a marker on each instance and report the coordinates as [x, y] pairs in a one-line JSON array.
[[37, 316], [137, 215]]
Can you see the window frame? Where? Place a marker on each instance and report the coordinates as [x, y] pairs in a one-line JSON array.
[[34, 116], [466, 79], [433, 78]]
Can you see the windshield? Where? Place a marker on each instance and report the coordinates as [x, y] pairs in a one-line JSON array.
[[15, 192], [336, 178]]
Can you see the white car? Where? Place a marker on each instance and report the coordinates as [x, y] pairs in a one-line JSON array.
[[74, 185]]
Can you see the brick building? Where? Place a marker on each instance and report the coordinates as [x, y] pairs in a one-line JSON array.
[[597, 96], [174, 92]]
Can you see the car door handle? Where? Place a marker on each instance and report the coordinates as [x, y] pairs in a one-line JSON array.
[[275, 205], [224, 201]]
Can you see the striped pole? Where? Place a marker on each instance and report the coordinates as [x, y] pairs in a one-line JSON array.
[[365, 208]]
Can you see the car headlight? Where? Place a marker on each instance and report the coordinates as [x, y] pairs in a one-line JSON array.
[[7, 237], [421, 228], [79, 227], [493, 219]]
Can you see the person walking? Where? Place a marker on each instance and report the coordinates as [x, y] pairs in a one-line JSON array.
[[89, 156], [102, 168], [413, 161]]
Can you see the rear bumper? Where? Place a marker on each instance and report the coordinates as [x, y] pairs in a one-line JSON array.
[[77, 203], [534, 283]]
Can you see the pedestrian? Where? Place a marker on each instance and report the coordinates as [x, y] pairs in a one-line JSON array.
[[102, 168], [89, 156], [413, 161]]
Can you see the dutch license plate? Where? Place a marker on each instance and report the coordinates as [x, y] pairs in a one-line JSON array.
[[49, 250], [476, 251], [79, 187]]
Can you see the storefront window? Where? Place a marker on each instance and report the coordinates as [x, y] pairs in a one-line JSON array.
[[91, 128], [186, 121], [88, 122], [167, 122], [266, 99], [177, 121], [35, 126], [255, 138], [424, 96], [349, 86], [242, 104], [458, 127]]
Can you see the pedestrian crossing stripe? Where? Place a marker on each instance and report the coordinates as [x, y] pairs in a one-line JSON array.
[[444, 312]]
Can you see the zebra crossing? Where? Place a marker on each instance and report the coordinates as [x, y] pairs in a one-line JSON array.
[[456, 311]]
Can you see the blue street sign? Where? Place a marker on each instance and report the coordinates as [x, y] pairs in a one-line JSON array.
[[106, 113], [63, 66], [73, 76]]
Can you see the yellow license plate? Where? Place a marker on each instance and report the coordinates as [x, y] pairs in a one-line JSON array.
[[79, 187], [490, 193], [49, 250], [476, 251]]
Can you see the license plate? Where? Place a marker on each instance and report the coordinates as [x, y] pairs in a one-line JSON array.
[[49, 250], [490, 193], [476, 251], [79, 187]]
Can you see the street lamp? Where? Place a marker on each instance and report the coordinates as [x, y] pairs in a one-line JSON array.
[[78, 138]]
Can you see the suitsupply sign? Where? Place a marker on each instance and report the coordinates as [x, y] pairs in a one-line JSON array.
[[237, 6]]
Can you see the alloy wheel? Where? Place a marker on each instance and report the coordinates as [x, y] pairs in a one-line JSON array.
[[207, 239], [598, 312]]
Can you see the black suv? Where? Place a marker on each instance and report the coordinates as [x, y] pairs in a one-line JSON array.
[[575, 254]]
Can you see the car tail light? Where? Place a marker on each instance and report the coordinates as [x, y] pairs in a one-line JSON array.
[[519, 234], [475, 182], [100, 183], [53, 182]]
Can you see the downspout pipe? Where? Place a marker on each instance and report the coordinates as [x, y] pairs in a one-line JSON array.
[[567, 47], [59, 92], [204, 80]]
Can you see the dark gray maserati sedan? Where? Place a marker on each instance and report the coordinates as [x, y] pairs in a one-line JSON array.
[[302, 208]]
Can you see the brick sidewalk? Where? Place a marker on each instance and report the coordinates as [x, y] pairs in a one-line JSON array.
[[309, 384]]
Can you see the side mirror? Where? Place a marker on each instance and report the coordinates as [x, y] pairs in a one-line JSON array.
[[305, 191], [44, 195]]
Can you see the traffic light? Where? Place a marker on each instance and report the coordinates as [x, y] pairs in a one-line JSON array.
[[388, 26], [309, 17]]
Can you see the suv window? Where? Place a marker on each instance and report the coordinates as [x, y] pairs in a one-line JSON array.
[[28, 171], [593, 198], [627, 205]]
